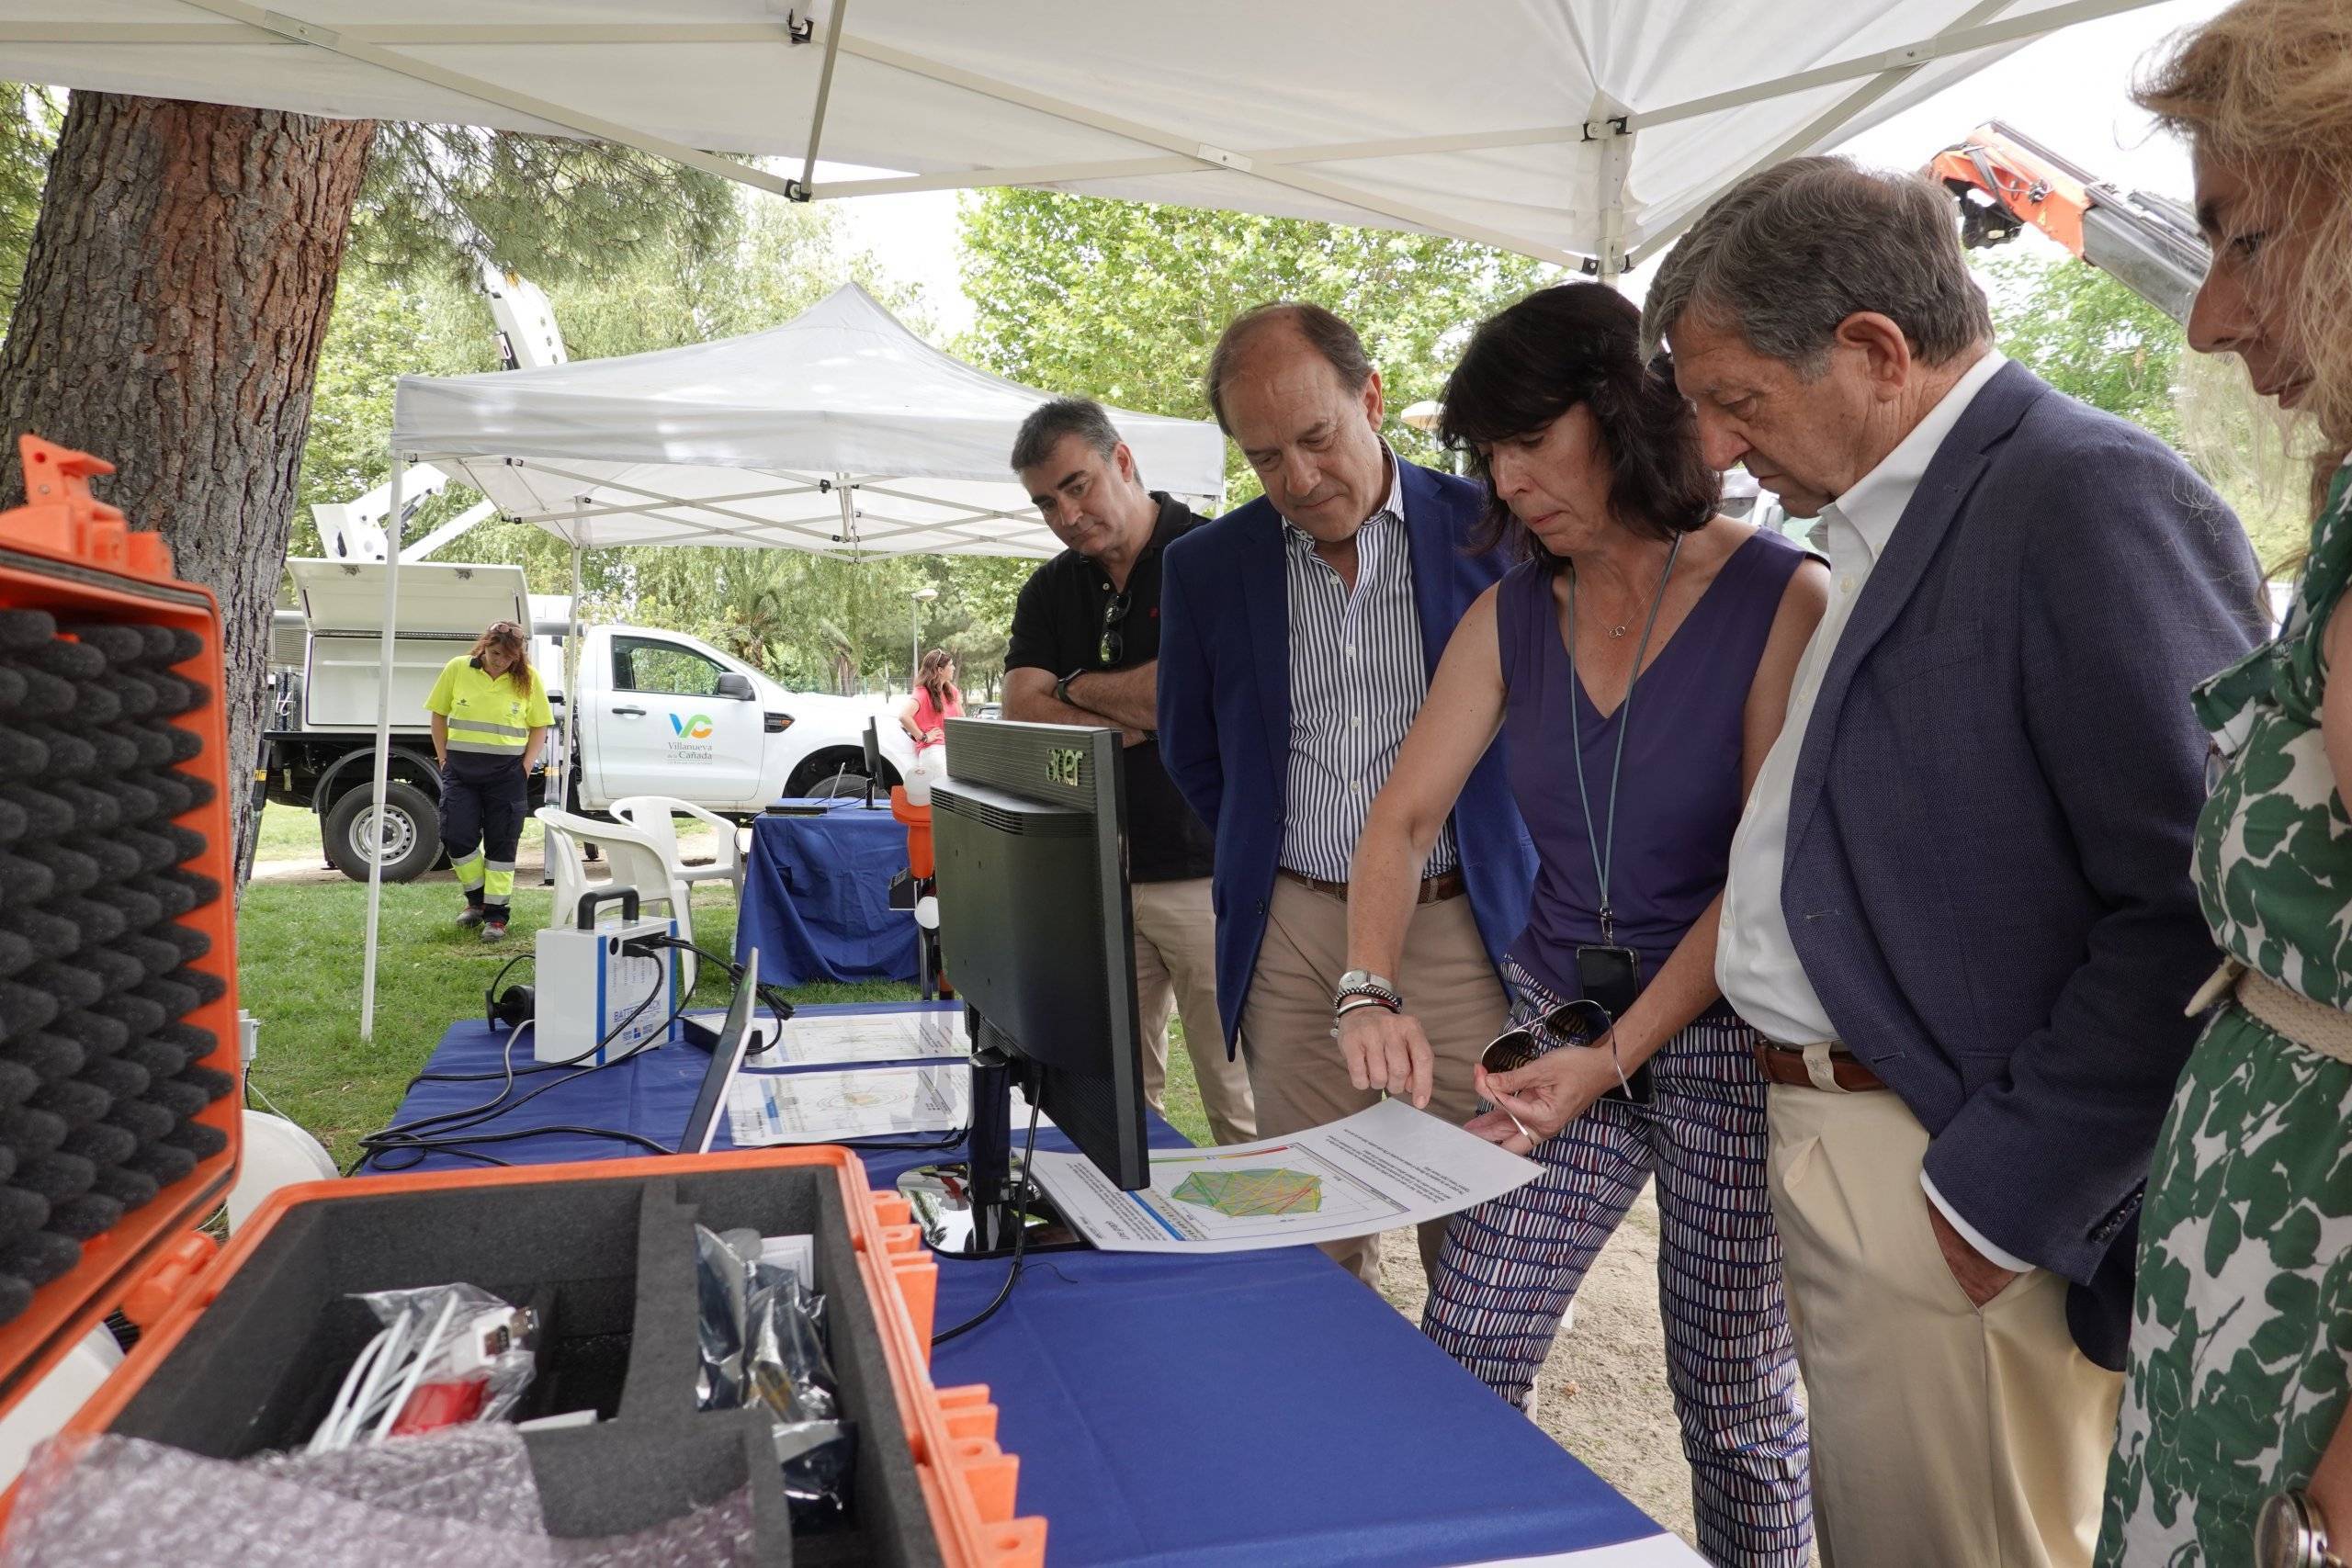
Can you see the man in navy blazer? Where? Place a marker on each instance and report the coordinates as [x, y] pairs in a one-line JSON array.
[[1298, 635], [1959, 906]]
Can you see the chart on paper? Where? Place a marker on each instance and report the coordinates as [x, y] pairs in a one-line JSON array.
[[1382, 1167], [804, 1107], [1221, 1195]]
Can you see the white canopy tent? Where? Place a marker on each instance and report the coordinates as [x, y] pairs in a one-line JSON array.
[[1580, 132], [839, 433], [1563, 128]]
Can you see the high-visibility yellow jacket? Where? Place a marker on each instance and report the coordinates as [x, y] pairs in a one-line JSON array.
[[488, 712]]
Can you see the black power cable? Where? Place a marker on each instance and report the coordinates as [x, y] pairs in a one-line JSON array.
[[451, 1128], [1020, 1237]]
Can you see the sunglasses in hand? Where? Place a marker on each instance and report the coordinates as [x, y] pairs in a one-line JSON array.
[[1577, 1023]]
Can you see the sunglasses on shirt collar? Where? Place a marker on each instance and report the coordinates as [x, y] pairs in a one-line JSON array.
[[1115, 610]]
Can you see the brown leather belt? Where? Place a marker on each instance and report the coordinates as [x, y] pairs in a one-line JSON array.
[[1434, 889], [1786, 1065]]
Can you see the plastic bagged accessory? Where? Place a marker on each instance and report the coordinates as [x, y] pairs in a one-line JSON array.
[[763, 1343], [448, 1355]]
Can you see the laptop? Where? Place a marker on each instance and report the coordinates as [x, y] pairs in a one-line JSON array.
[[727, 1048]]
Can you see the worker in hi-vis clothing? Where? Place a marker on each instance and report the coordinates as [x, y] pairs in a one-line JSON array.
[[490, 719]]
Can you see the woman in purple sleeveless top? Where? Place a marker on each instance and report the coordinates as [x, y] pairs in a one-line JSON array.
[[1637, 663]]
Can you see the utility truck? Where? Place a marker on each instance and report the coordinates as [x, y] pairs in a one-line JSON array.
[[658, 712]]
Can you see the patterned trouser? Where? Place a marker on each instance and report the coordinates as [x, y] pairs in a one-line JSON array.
[[1510, 1268]]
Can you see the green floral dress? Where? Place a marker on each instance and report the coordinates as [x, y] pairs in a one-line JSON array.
[[2243, 1327]]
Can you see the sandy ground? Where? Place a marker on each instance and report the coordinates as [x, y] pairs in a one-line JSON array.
[[1604, 1395]]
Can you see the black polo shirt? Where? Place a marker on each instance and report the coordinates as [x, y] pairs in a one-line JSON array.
[[1058, 628]]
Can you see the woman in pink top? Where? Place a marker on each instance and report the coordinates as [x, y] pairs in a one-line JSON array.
[[924, 715]]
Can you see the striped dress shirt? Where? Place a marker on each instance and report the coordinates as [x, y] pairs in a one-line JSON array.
[[1356, 682]]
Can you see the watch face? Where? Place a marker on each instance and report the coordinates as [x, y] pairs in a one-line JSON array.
[[2280, 1538]]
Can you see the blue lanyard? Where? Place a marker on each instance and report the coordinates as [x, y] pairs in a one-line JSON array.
[[1604, 851]]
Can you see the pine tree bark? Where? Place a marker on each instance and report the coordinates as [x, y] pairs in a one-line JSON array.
[[175, 298]]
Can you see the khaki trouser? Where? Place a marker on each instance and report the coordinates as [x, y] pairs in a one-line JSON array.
[[1296, 1066], [1944, 1435], [1176, 968]]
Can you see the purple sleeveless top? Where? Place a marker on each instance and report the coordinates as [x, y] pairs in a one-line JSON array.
[[1679, 799]]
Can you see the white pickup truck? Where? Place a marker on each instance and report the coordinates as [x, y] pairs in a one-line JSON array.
[[659, 712]]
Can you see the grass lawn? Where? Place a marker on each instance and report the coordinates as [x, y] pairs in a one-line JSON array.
[[299, 952], [292, 833]]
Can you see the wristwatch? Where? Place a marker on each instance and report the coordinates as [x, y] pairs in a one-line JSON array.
[[1061, 688], [1364, 983], [2290, 1532]]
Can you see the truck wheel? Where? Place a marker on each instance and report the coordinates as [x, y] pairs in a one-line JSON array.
[[410, 836]]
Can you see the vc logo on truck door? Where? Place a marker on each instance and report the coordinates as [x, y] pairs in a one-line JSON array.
[[691, 726]]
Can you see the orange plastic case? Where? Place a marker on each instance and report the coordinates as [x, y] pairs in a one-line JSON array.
[[68, 554], [196, 1358]]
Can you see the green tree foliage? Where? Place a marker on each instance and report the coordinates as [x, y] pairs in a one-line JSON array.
[[1123, 300], [28, 120], [2087, 335]]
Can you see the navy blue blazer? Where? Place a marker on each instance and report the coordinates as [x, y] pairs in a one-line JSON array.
[[1224, 712], [1990, 824]]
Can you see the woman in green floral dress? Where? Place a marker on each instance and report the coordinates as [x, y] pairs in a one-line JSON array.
[[2236, 1387]]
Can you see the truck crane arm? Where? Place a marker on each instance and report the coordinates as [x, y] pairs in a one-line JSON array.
[[2004, 181]]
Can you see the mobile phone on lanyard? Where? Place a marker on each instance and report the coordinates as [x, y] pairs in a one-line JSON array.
[[1611, 976]]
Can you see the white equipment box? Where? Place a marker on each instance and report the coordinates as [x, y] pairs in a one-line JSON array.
[[597, 1001]]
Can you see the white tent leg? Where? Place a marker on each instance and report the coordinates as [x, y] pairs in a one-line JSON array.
[[383, 750], [572, 705]]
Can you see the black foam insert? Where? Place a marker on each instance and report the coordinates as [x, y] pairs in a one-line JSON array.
[[40, 1257], [29, 1133], [98, 977]]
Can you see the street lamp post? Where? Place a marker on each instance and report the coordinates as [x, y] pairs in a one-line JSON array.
[[914, 614]]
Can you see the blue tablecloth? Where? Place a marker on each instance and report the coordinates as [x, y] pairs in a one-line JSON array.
[[1211, 1412], [817, 897]]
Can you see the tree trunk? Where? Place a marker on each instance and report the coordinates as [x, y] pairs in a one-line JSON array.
[[175, 298]]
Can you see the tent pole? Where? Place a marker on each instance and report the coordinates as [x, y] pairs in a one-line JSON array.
[[1818, 129], [571, 634], [388, 636], [802, 186], [1616, 161]]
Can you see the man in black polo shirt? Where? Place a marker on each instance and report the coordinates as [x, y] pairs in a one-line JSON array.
[[1085, 649]]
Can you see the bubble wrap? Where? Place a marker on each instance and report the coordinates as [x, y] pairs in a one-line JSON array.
[[463, 1498]]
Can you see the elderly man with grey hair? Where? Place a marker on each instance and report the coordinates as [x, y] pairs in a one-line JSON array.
[[1959, 906]]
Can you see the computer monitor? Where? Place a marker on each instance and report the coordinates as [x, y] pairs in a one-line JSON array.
[[1029, 838]]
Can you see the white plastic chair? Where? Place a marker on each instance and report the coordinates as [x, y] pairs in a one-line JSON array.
[[633, 860], [654, 816], [567, 869]]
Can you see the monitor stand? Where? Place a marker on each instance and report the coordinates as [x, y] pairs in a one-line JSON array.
[[970, 1208]]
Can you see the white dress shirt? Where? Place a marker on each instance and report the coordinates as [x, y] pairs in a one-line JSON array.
[[1357, 680], [1756, 958]]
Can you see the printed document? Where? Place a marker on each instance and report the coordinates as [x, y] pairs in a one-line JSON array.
[[1380, 1168], [826, 1108], [870, 1037]]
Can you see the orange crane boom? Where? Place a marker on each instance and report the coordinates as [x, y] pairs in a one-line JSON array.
[[2002, 182]]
